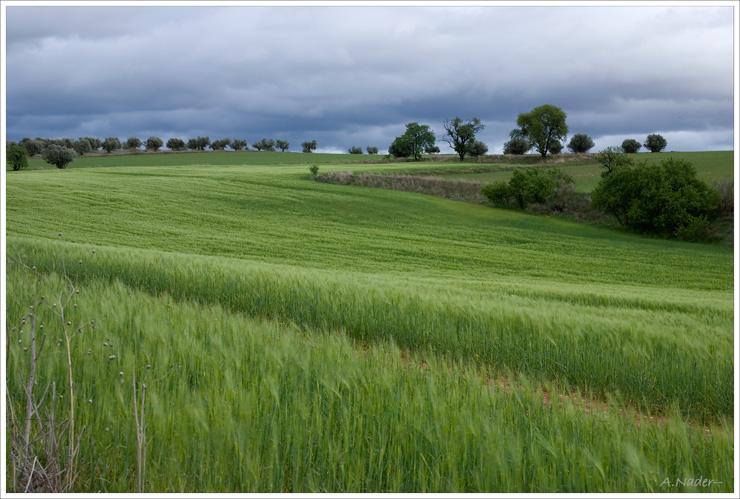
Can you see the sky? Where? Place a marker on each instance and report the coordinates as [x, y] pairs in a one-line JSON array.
[[354, 75]]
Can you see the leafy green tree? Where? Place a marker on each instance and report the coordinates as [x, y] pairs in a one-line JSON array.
[[631, 146], [82, 146], [58, 156], [154, 144], [665, 198], [372, 150], [580, 143], [17, 157], [309, 146], [542, 126], [612, 158], [517, 146], [282, 145], [355, 150], [175, 144], [460, 134], [133, 143], [111, 144], [399, 148], [238, 145], [431, 150], [655, 142], [416, 139], [477, 148]]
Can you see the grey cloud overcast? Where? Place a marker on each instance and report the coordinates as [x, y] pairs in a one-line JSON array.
[[354, 75]]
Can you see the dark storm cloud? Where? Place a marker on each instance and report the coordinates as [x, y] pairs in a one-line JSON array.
[[355, 75]]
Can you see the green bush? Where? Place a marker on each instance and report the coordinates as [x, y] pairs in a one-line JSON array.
[[499, 193], [665, 198]]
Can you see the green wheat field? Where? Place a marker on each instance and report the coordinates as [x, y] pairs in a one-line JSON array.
[[311, 337]]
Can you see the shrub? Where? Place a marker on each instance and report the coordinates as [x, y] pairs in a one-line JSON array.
[[498, 193], [726, 191], [580, 142], [664, 198], [631, 146], [17, 157], [655, 142], [314, 169], [58, 156]]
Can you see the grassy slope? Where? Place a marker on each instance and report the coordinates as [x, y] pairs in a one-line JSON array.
[[611, 309]]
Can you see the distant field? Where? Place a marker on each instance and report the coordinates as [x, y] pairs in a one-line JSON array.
[[333, 338], [709, 166], [209, 158]]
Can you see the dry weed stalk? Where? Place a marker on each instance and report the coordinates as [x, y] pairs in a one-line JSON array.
[[39, 469]]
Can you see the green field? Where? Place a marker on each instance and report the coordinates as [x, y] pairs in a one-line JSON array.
[[709, 165], [333, 338]]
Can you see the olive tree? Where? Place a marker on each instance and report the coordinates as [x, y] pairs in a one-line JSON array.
[[238, 145], [517, 145], [154, 143], [176, 144], [264, 145], [372, 150], [580, 143], [355, 150], [631, 146], [309, 146], [542, 126], [133, 143], [460, 134], [655, 142], [82, 146], [199, 144], [111, 144], [282, 145], [477, 148], [58, 156]]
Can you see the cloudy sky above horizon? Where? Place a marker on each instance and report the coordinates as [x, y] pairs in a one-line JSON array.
[[355, 75]]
